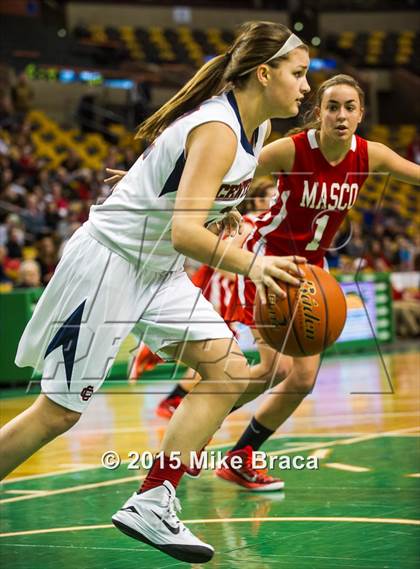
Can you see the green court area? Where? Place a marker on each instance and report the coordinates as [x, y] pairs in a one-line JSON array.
[[360, 509]]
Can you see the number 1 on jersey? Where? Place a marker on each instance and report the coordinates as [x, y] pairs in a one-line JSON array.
[[321, 224]]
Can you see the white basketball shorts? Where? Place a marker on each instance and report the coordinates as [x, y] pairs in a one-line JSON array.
[[91, 304]]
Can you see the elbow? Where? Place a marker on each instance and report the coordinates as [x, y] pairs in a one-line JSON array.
[[180, 236]]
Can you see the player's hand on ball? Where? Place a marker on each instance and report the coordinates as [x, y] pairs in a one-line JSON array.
[[116, 175], [266, 270]]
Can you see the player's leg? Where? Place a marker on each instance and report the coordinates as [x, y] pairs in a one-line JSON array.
[[272, 368], [42, 422], [150, 515], [224, 375], [171, 402], [279, 403], [286, 397]]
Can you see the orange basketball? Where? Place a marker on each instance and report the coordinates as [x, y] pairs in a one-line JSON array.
[[309, 320]]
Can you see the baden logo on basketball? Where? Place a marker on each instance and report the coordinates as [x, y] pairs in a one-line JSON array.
[[271, 308], [302, 324], [308, 300]]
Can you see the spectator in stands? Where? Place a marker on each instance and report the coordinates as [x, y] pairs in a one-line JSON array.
[[29, 275], [60, 201], [72, 161], [52, 216], [4, 278], [375, 259], [405, 253], [47, 257], [22, 95], [354, 244], [33, 216], [393, 220], [15, 243]]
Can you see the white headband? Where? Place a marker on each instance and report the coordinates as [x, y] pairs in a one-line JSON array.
[[290, 44]]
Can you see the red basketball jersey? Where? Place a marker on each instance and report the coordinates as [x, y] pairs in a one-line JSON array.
[[313, 200]]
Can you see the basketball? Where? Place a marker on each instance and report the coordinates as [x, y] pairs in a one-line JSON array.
[[309, 320]]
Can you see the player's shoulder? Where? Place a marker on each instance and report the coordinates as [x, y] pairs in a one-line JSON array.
[[278, 155], [361, 142], [375, 152], [303, 143], [301, 135], [218, 104]]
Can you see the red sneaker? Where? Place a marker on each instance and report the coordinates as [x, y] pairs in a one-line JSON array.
[[195, 471], [166, 407], [255, 480], [145, 360]]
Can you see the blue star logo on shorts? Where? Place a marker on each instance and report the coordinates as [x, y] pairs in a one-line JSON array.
[[67, 337]]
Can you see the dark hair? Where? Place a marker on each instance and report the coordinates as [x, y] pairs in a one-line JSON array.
[[255, 43], [258, 189], [311, 120]]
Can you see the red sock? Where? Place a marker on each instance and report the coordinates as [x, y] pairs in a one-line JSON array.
[[162, 469]]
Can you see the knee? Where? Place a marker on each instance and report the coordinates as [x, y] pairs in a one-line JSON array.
[[67, 420], [302, 381], [235, 376], [274, 374], [283, 369], [61, 422], [54, 418]]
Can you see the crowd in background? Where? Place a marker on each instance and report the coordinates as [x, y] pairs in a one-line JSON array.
[[40, 209], [381, 243]]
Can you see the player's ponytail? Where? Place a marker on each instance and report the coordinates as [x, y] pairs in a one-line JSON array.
[[311, 118], [255, 44]]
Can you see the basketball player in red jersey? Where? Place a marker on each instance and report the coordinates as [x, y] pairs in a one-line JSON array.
[[321, 170]]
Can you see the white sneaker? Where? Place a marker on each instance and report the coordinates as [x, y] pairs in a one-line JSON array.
[[151, 517]]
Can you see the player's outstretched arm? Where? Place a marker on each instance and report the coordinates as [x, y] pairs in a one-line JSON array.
[[383, 159], [278, 156], [211, 149]]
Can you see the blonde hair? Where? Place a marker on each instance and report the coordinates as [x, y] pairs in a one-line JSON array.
[[255, 43], [30, 265]]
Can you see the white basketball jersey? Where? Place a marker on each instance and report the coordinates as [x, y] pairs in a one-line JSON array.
[[135, 220]]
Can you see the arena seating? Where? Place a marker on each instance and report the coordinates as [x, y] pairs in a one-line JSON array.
[[377, 48], [156, 44], [52, 142], [191, 46]]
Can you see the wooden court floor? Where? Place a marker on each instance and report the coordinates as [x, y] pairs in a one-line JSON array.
[[359, 509]]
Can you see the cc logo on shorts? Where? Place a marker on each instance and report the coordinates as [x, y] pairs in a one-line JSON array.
[[86, 393]]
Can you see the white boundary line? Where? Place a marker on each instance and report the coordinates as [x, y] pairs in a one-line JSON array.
[[327, 519]]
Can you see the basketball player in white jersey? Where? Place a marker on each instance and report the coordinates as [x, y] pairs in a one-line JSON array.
[[131, 252]]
